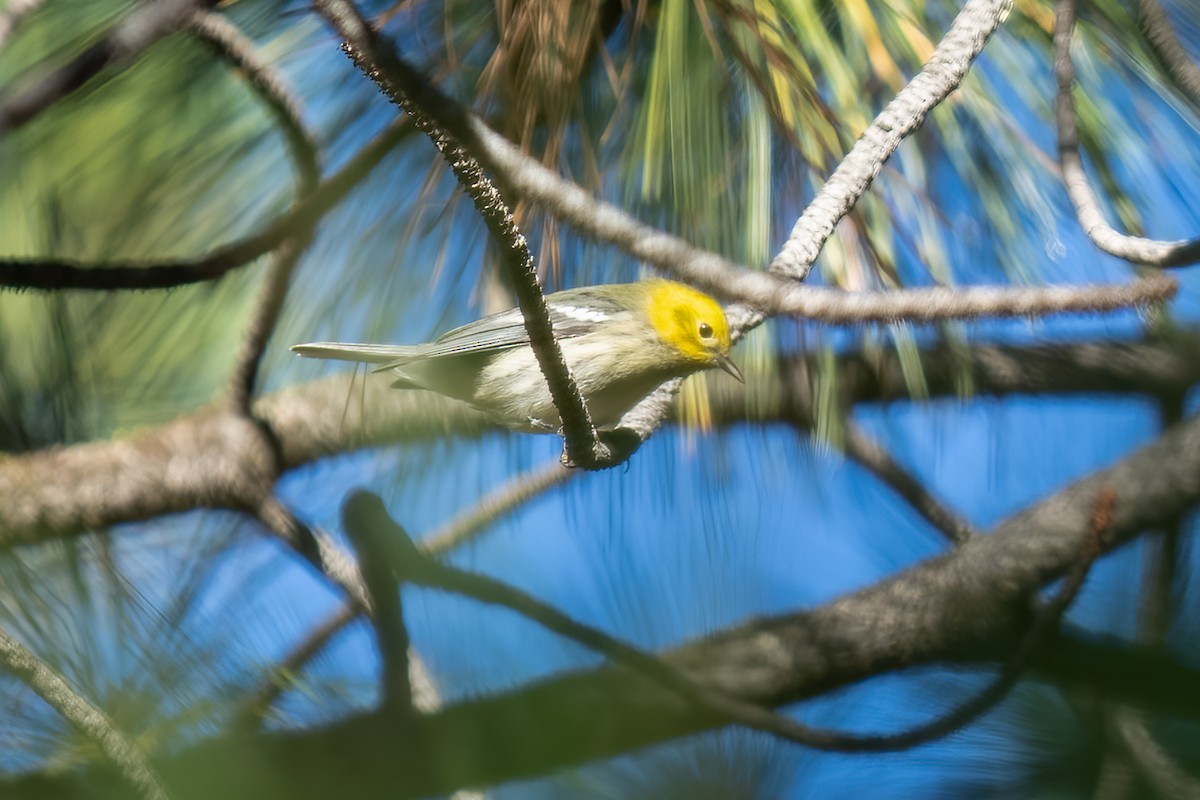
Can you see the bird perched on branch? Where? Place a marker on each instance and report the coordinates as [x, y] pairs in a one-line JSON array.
[[621, 342]]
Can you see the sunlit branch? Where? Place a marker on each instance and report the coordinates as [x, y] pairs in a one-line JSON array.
[[769, 293], [13, 13], [940, 76], [1182, 68], [498, 503], [1087, 205], [582, 445], [140, 29], [54, 274], [85, 717], [318, 548]]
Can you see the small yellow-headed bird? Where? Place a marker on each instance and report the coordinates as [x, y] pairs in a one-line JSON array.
[[621, 341]]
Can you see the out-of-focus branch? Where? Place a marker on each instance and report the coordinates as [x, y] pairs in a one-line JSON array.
[[874, 457], [383, 585], [498, 503], [270, 85], [364, 511], [55, 274], [1087, 206], [13, 13], [85, 717], [583, 447], [128, 39], [1159, 32], [280, 677], [213, 457]]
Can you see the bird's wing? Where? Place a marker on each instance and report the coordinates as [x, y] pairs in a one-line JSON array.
[[507, 329]]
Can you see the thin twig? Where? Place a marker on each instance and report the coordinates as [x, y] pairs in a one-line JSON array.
[[13, 13], [279, 678], [366, 509], [87, 718], [55, 274], [500, 502], [408, 90], [1087, 205], [128, 39], [1183, 69], [271, 87], [383, 587], [874, 457]]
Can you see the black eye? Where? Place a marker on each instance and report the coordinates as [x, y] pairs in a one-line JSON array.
[[706, 331]]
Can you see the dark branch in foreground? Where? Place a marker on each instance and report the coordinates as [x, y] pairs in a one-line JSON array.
[[55, 274], [409, 91]]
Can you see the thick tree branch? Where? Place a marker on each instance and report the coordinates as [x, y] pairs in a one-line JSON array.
[[85, 717], [213, 458], [1087, 206], [55, 274], [964, 606], [128, 39], [770, 293]]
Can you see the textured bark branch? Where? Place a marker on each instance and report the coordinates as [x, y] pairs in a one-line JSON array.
[[406, 89], [214, 458], [771, 293], [964, 606], [128, 39], [1087, 206], [56, 274], [1180, 65], [85, 717], [940, 76]]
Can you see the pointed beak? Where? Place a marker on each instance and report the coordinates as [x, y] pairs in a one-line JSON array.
[[726, 364]]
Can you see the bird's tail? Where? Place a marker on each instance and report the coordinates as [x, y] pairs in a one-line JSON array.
[[389, 355]]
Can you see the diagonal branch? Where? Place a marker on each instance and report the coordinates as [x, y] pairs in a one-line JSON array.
[[85, 717], [583, 447], [1087, 206], [1183, 69], [55, 274], [940, 76]]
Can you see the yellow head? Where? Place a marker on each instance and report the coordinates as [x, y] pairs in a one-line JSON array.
[[691, 323]]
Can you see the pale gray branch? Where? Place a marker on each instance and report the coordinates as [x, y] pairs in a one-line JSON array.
[[1087, 205]]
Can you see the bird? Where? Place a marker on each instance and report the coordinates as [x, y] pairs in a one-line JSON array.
[[620, 341]]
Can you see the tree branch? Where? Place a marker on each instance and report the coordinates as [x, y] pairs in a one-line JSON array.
[[57, 274], [1087, 206], [214, 458], [401, 84], [1184, 71], [128, 39], [85, 717]]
